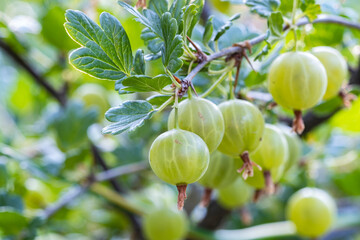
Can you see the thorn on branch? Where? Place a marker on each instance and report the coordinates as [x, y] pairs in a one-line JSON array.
[[347, 98], [141, 4], [238, 59], [200, 55], [185, 84]]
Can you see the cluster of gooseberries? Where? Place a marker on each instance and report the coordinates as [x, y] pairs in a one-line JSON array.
[[206, 143]]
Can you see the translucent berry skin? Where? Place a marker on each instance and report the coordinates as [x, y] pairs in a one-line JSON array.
[[312, 211], [258, 180], [335, 66], [294, 145], [234, 195], [179, 157], [165, 224], [221, 171], [244, 127], [297, 80], [202, 117], [273, 149]]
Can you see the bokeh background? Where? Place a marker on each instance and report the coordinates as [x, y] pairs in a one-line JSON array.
[[48, 150]]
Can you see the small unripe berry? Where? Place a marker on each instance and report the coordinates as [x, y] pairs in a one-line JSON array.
[[179, 157], [202, 117], [165, 224], [236, 194], [335, 66], [312, 210]]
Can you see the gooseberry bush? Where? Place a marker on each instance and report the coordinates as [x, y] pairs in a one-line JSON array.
[[215, 121]]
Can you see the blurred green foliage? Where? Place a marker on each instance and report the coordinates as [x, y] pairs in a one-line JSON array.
[[44, 149]]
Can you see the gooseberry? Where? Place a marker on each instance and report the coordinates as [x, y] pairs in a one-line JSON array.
[[297, 81], [235, 194], [271, 154], [244, 128], [179, 157], [335, 66], [202, 117], [165, 224], [294, 145], [312, 211], [220, 173]]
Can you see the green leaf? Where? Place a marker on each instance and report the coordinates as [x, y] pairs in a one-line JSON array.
[[139, 62], [145, 83], [275, 24], [176, 10], [173, 44], [106, 51], [208, 32], [53, 29], [128, 116], [199, 7], [159, 6], [263, 52], [158, 100], [120, 87], [11, 222], [150, 19], [222, 30], [263, 7], [310, 9], [165, 29], [71, 124]]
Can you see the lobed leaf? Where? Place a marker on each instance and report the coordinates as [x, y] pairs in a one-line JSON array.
[[139, 62], [128, 116], [106, 50], [275, 24], [160, 34], [146, 83], [263, 7]]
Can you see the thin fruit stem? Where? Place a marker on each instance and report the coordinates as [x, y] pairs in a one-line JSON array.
[[298, 123], [189, 93], [176, 107], [190, 66], [247, 168], [206, 197], [181, 196], [231, 86], [269, 184], [214, 86], [293, 22], [165, 104]]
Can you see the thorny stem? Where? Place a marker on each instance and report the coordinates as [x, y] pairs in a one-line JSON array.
[[206, 197], [269, 184], [181, 196], [261, 38], [298, 123], [200, 55], [247, 168], [176, 83]]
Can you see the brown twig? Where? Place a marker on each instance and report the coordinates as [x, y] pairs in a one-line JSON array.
[[58, 95]]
